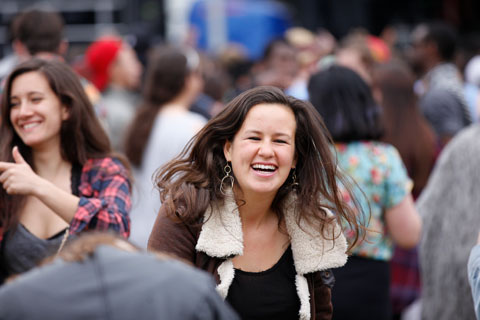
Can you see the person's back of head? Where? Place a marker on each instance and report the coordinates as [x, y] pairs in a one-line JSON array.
[[40, 31], [105, 271], [405, 126], [99, 57], [168, 69], [395, 81], [110, 61], [444, 37], [345, 102], [353, 52], [172, 74]]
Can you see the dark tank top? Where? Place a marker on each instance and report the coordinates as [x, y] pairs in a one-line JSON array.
[[269, 294], [21, 250]]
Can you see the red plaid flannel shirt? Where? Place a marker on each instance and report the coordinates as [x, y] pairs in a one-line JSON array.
[[104, 193]]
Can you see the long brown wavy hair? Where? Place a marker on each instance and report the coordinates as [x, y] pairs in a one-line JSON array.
[[190, 183], [405, 126], [167, 72], [81, 135]]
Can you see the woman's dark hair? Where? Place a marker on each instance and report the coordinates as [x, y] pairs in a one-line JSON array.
[[167, 71], [345, 102], [405, 126], [81, 135], [190, 183]]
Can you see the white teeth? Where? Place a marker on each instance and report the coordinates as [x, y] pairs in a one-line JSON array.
[[30, 125], [263, 167]]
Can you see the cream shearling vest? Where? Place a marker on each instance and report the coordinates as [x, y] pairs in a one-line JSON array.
[[221, 236]]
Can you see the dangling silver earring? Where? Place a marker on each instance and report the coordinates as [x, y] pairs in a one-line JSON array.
[[295, 184], [227, 169]]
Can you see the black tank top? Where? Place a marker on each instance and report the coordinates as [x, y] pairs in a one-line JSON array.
[[21, 250], [269, 294]]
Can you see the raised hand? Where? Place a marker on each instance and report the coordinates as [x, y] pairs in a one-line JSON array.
[[18, 177]]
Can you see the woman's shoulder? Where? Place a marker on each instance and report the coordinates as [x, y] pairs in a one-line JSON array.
[[380, 150], [172, 235], [107, 165], [194, 120], [364, 145], [183, 124], [183, 117], [196, 117], [377, 146], [464, 141], [374, 151]]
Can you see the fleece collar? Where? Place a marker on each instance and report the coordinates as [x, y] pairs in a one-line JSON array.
[[222, 237]]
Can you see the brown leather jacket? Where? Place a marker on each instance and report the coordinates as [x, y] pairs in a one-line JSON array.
[[192, 243]]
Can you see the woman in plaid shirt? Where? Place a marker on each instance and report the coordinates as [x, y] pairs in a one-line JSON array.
[[56, 169]]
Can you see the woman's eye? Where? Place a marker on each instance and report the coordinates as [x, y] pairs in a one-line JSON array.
[[280, 141], [254, 138], [36, 100]]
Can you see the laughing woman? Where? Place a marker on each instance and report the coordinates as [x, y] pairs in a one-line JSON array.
[[57, 175], [249, 201]]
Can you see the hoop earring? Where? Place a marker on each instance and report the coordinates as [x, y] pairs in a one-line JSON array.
[[295, 185], [227, 169]]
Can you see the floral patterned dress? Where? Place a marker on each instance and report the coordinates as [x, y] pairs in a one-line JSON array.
[[380, 181]]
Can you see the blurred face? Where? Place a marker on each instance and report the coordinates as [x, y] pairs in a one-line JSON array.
[[262, 152], [126, 71], [418, 54], [283, 60], [352, 59], [194, 85], [36, 113]]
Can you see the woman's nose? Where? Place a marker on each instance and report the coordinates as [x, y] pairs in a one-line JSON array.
[[266, 149], [24, 109]]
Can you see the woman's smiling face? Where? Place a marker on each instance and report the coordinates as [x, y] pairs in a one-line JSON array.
[[262, 152], [36, 113]]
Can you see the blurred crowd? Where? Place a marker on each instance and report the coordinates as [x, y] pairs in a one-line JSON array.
[[403, 119]]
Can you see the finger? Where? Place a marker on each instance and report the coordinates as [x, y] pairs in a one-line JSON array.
[[3, 177], [10, 186], [5, 165], [9, 190], [12, 189], [17, 156], [6, 185]]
